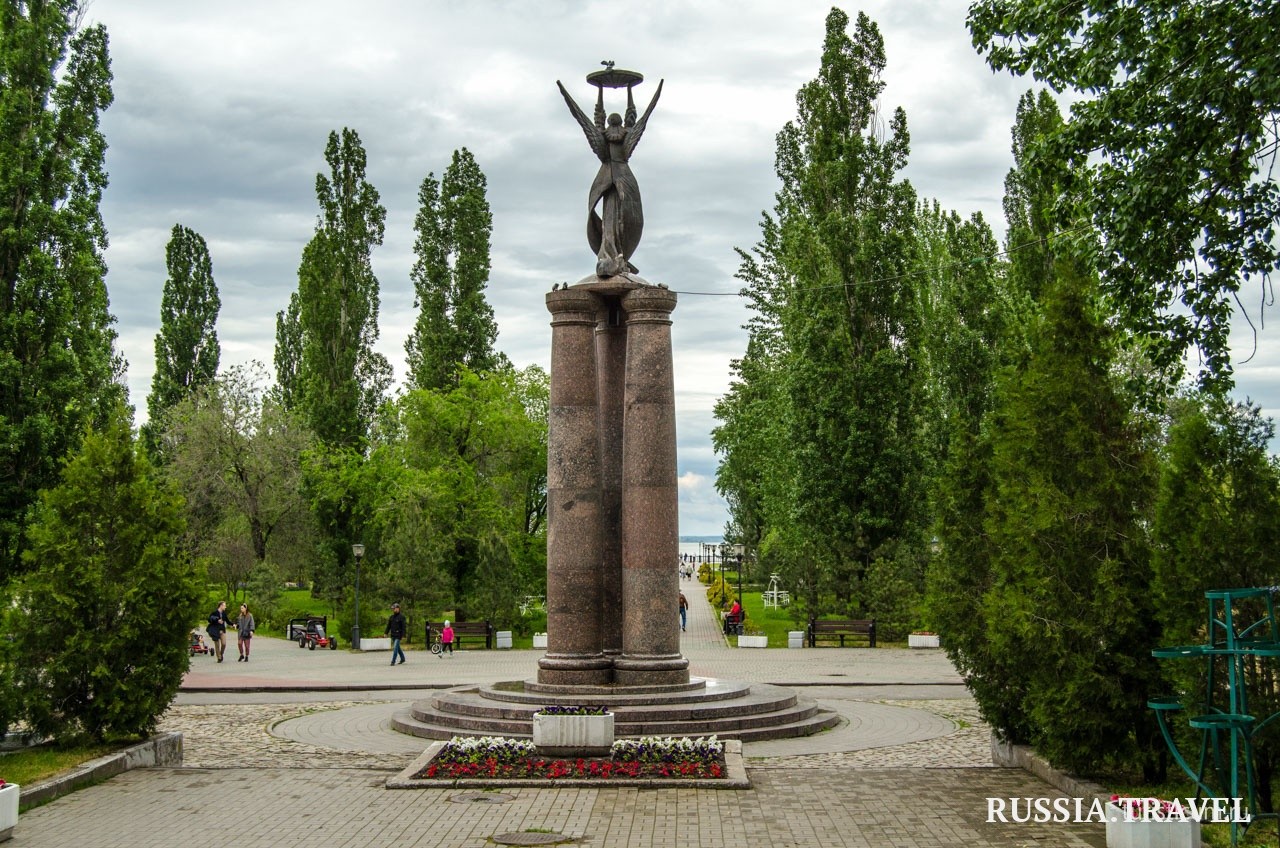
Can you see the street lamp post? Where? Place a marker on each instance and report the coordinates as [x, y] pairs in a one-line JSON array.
[[358, 550], [739, 578]]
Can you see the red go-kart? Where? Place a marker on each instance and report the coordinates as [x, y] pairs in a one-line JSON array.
[[312, 633]]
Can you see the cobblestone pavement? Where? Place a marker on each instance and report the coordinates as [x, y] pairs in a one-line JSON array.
[[346, 808], [357, 734], [270, 768]]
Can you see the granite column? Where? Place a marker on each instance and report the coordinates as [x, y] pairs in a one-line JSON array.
[[574, 520], [650, 521]]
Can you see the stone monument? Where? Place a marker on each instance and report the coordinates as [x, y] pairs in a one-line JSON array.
[[613, 626], [612, 531]]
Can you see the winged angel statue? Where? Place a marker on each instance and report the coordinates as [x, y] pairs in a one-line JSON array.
[[614, 232]]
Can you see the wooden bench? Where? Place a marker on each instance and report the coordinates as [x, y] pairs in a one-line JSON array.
[[831, 630], [463, 628]]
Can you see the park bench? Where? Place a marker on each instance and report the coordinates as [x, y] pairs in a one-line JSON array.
[[470, 629], [830, 630]]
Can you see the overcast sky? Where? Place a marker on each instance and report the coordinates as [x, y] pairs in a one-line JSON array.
[[222, 111]]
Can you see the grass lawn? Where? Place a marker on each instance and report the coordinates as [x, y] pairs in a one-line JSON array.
[[32, 765]]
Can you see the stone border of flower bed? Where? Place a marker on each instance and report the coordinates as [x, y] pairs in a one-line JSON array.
[[163, 749], [735, 776]]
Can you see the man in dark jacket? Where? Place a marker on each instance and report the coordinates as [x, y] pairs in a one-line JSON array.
[[396, 629], [217, 629]]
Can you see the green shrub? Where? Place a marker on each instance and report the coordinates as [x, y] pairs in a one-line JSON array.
[[100, 625]]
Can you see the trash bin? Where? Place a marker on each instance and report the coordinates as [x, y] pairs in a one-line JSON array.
[[795, 638], [502, 639]]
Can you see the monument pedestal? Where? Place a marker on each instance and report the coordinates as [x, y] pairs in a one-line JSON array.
[[613, 533]]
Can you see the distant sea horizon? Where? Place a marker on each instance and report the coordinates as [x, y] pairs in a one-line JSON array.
[[692, 545]]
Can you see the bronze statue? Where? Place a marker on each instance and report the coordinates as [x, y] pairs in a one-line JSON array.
[[614, 233]]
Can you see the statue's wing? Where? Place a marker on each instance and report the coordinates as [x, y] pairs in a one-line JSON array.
[[594, 137], [633, 135]]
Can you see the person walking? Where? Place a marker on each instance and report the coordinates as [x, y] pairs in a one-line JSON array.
[[684, 611], [217, 629], [396, 629], [446, 639], [244, 632]]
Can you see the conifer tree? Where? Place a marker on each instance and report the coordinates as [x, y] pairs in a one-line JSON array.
[[58, 368], [455, 325], [1069, 611], [98, 633]]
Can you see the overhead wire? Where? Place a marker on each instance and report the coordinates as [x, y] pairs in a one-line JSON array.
[[1043, 240]]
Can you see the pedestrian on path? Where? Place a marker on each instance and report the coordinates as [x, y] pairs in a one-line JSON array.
[[446, 639], [684, 611], [217, 629], [244, 632], [396, 628]]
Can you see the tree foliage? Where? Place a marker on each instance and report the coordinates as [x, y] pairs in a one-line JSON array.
[[1069, 608], [236, 454], [450, 499], [1176, 136], [833, 345], [58, 368], [326, 363], [99, 630], [187, 349], [455, 326], [1217, 526]]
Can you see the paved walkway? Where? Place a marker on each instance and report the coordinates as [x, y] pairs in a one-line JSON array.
[[293, 749]]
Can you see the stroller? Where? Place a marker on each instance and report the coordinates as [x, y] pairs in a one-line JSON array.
[[197, 645]]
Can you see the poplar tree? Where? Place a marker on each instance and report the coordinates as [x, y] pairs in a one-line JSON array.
[[58, 368], [187, 349], [328, 332], [1174, 124], [833, 266], [455, 326], [993, 324]]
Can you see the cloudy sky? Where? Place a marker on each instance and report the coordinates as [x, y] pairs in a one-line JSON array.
[[222, 111]]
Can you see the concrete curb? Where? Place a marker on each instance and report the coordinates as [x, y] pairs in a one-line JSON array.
[[1008, 755], [163, 749], [319, 687]]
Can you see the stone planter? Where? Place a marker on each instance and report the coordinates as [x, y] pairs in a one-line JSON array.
[[573, 735], [539, 640], [923, 640], [1149, 834], [753, 641], [502, 639], [795, 638], [8, 810], [375, 644]]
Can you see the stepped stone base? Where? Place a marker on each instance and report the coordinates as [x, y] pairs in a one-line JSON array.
[[723, 708]]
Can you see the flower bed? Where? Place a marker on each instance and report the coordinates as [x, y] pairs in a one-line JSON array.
[[651, 757]]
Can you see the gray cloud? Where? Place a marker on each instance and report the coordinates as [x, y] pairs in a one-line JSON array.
[[222, 111]]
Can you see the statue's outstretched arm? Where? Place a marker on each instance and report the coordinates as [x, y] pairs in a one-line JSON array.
[[600, 108], [634, 133], [631, 109], [593, 133]]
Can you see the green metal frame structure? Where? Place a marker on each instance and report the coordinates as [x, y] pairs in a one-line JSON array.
[[1236, 639]]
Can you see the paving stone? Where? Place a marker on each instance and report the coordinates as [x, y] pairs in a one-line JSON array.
[[910, 768]]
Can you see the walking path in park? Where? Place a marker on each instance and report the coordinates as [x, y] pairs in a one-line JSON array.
[[293, 748]]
